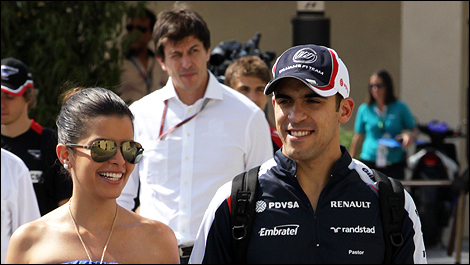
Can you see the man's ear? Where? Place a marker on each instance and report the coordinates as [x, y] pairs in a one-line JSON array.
[[346, 109], [162, 63], [208, 55]]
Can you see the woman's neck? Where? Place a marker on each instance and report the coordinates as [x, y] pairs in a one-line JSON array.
[[380, 105], [93, 215], [16, 128]]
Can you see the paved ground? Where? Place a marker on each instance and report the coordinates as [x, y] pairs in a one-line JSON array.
[[438, 255]]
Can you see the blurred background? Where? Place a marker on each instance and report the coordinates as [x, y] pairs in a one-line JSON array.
[[423, 44]]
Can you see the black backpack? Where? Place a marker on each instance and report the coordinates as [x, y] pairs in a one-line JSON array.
[[244, 194]]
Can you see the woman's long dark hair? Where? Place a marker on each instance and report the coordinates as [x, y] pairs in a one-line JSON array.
[[81, 105], [388, 83]]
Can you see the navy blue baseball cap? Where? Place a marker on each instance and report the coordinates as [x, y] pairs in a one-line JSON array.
[[318, 67], [16, 77]]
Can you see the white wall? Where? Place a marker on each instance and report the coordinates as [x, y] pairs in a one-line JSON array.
[[433, 81], [430, 59]]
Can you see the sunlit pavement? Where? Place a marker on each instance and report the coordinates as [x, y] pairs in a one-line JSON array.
[[438, 254]]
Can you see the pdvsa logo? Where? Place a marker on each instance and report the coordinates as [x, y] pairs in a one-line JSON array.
[[280, 230], [283, 205], [305, 55], [260, 206]]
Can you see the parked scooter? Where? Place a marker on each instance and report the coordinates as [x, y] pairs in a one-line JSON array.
[[434, 160]]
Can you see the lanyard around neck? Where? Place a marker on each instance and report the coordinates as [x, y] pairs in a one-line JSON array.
[[381, 118], [160, 136], [146, 76]]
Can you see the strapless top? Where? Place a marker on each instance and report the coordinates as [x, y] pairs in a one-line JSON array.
[[88, 262]]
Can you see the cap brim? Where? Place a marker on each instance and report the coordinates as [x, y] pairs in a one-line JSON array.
[[271, 86], [19, 91]]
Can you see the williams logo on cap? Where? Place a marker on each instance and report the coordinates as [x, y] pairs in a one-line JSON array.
[[7, 71], [318, 67], [305, 55], [16, 77]]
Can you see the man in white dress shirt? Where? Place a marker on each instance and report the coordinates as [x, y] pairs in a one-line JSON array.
[[19, 203], [197, 133]]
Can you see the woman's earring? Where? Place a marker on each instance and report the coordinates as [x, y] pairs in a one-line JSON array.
[[66, 166]]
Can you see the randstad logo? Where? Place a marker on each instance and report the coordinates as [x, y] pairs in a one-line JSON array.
[[354, 230], [280, 230], [305, 55]]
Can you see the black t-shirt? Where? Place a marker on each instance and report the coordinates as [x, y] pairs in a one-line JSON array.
[[50, 183]]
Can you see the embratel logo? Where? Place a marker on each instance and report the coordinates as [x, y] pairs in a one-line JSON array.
[[280, 230], [305, 55]]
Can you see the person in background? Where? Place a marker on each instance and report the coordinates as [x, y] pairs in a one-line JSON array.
[[198, 132], [27, 139], [314, 204], [249, 75], [383, 116], [92, 228], [19, 203], [141, 73]]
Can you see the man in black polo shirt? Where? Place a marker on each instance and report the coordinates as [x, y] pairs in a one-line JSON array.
[[27, 139]]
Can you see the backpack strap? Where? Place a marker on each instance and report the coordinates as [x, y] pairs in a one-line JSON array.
[[392, 211], [244, 193]]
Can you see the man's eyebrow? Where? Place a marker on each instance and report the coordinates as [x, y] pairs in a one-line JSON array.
[[174, 52], [190, 48], [195, 46], [276, 96]]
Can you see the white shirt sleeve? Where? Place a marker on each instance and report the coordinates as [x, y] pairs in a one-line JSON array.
[[260, 148], [130, 191], [19, 203]]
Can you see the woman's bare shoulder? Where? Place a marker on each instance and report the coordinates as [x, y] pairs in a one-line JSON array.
[[32, 236], [154, 240], [136, 221]]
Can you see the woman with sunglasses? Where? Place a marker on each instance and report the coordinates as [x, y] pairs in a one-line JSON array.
[[96, 147], [384, 125]]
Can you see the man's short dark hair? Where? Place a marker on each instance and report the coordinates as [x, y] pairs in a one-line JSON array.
[[248, 65], [143, 13], [177, 24], [153, 19], [339, 98]]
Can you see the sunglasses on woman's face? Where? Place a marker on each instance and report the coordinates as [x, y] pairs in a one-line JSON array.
[[379, 85], [103, 150]]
